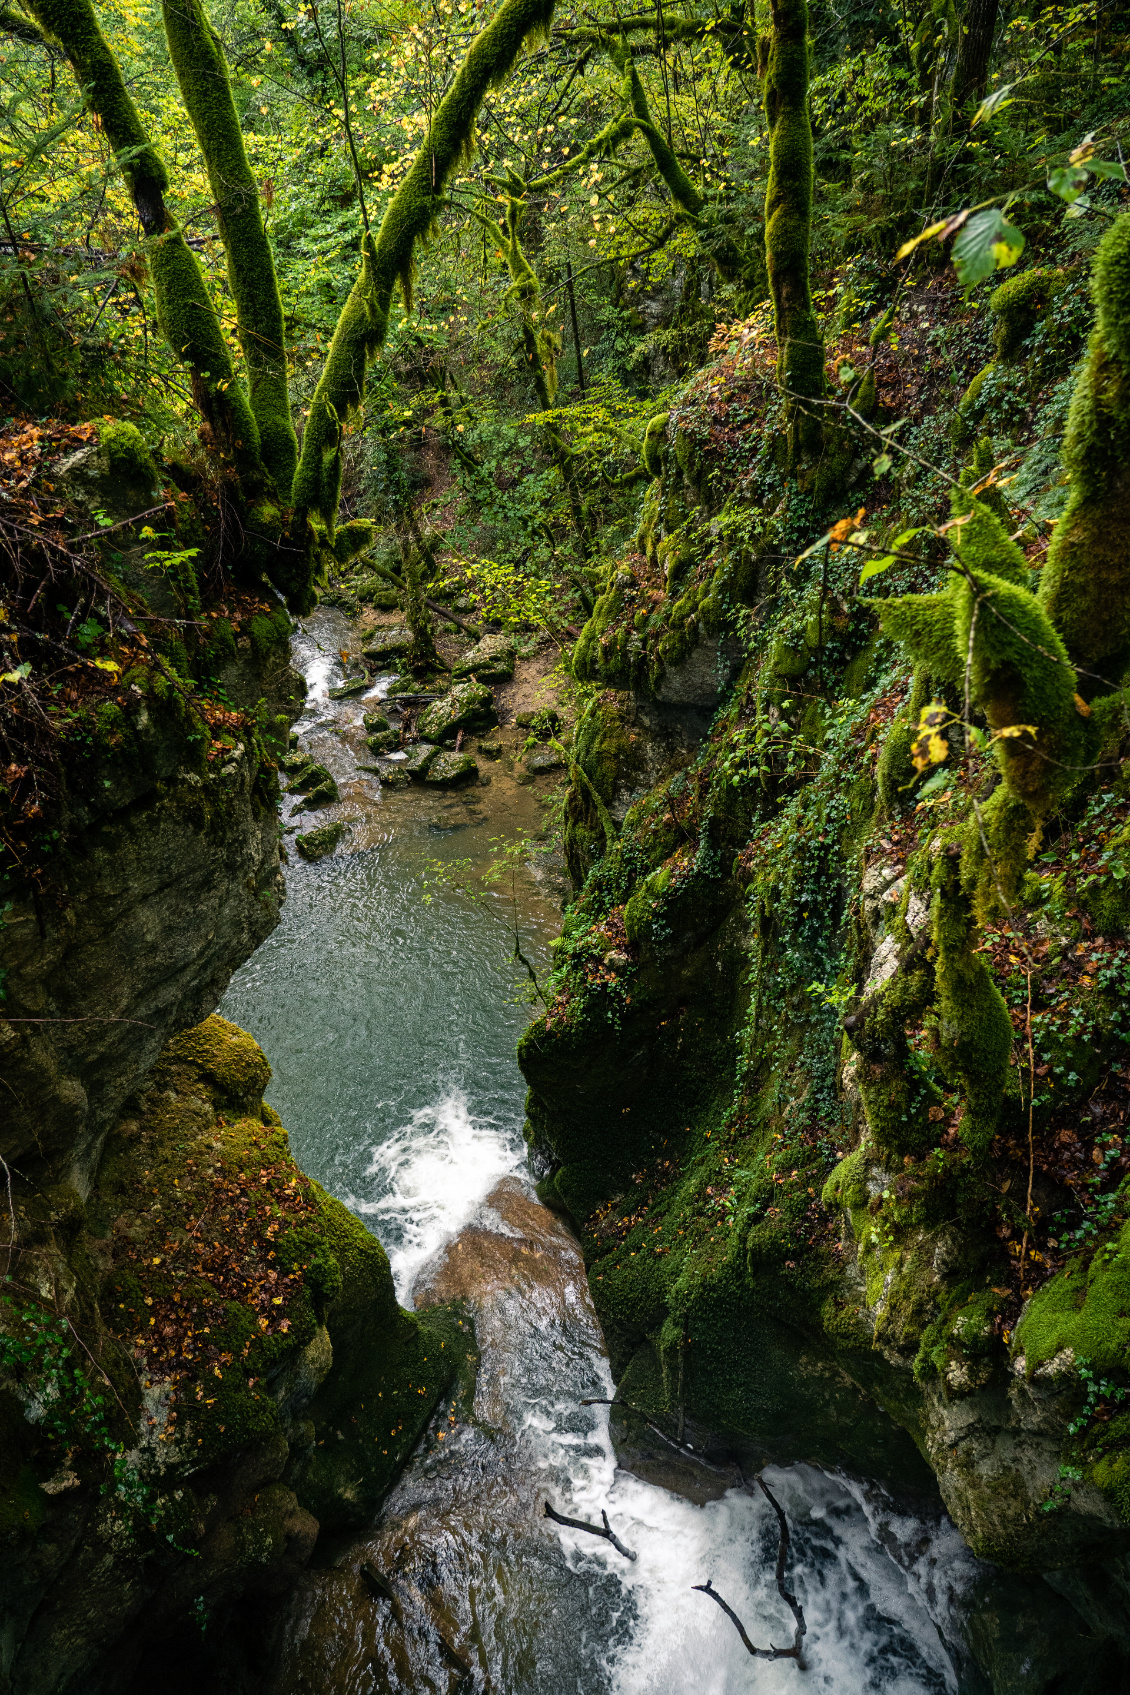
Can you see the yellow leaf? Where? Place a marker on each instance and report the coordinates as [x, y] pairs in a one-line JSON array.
[[1081, 707]]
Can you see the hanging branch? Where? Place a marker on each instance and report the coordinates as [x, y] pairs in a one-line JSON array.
[[607, 1533], [795, 1652]]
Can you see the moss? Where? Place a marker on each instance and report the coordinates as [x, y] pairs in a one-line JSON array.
[[226, 1054], [975, 1032], [202, 73], [682, 190], [788, 214], [126, 453], [1018, 305], [846, 1185], [926, 625], [654, 438], [1084, 1308], [1085, 585]]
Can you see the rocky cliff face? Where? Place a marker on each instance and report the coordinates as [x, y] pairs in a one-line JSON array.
[[834, 1076], [203, 1367]]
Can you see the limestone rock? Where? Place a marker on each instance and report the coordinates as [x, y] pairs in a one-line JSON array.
[[420, 756], [468, 706], [316, 844], [449, 769], [491, 660], [385, 645]]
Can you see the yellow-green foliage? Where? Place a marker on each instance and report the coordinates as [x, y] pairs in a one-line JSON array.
[[926, 626], [202, 72], [1085, 1308], [411, 214], [1085, 585], [974, 1031], [73, 24], [788, 205]]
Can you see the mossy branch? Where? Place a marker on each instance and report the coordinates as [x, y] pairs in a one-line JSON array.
[[682, 190], [184, 309], [414, 209], [202, 73]]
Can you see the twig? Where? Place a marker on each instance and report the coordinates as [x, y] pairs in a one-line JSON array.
[[1031, 1145], [11, 1217], [770, 1653], [607, 1533]]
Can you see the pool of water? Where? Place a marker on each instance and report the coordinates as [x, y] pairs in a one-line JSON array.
[[387, 1005]]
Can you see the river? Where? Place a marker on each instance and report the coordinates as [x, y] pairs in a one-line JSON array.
[[388, 1005]]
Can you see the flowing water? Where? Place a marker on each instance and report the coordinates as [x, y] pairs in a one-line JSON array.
[[385, 1002]]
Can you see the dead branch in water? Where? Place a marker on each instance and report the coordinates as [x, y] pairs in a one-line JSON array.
[[795, 1652], [607, 1533]]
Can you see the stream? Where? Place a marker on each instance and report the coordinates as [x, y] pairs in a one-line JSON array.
[[387, 1004]]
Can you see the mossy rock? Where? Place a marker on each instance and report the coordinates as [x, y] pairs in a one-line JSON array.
[[491, 660], [226, 1055], [384, 741], [325, 794], [420, 756], [375, 721], [491, 750], [316, 844], [448, 770], [468, 706], [541, 760], [354, 685], [312, 778], [385, 645]]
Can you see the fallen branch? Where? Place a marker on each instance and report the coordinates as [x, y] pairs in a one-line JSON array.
[[607, 1533], [770, 1653]]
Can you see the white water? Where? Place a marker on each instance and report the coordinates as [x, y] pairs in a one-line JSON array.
[[430, 1174], [392, 1034]]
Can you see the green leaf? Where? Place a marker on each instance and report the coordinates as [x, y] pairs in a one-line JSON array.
[[994, 102], [1068, 181], [874, 567], [881, 464], [18, 675], [985, 244]]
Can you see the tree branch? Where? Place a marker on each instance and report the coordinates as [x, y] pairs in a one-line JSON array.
[[607, 1533]]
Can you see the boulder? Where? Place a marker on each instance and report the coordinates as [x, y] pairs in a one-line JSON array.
[[385, 645], [420, 756], [491, 660], [352, 685], [384, 741], [468, 706], [311, 779], [544, 759], [449, 769], [316, 844], [375, 721]]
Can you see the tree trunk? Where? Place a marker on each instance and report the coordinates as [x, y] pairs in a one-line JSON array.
[[974, 49]]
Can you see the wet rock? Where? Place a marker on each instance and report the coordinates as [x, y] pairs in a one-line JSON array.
[[295, 763], [384, 645], [491, 750], [312, 779], [374, 721], [394, 777], [468, 706], [450, 769], [420, 756], [352, 686], [544, 759], [384, 741], [316, 844], [490, 660]]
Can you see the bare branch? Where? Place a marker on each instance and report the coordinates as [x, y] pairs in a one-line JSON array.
[[795, 1652], [607, 1533]]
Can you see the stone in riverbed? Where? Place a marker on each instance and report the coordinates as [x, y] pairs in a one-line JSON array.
[[374, 721], [352, 685], [420, 756], [394, 777], [490, 660], [385, 645], [316, 844], [384, 741], [491, 750], [311, 780], [468, 706], [448, 769], [544, 759]]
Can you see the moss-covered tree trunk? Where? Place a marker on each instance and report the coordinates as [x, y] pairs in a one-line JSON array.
[[184, 310], [974, 49], [1085, 586], [202, 72], [788, 219]]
